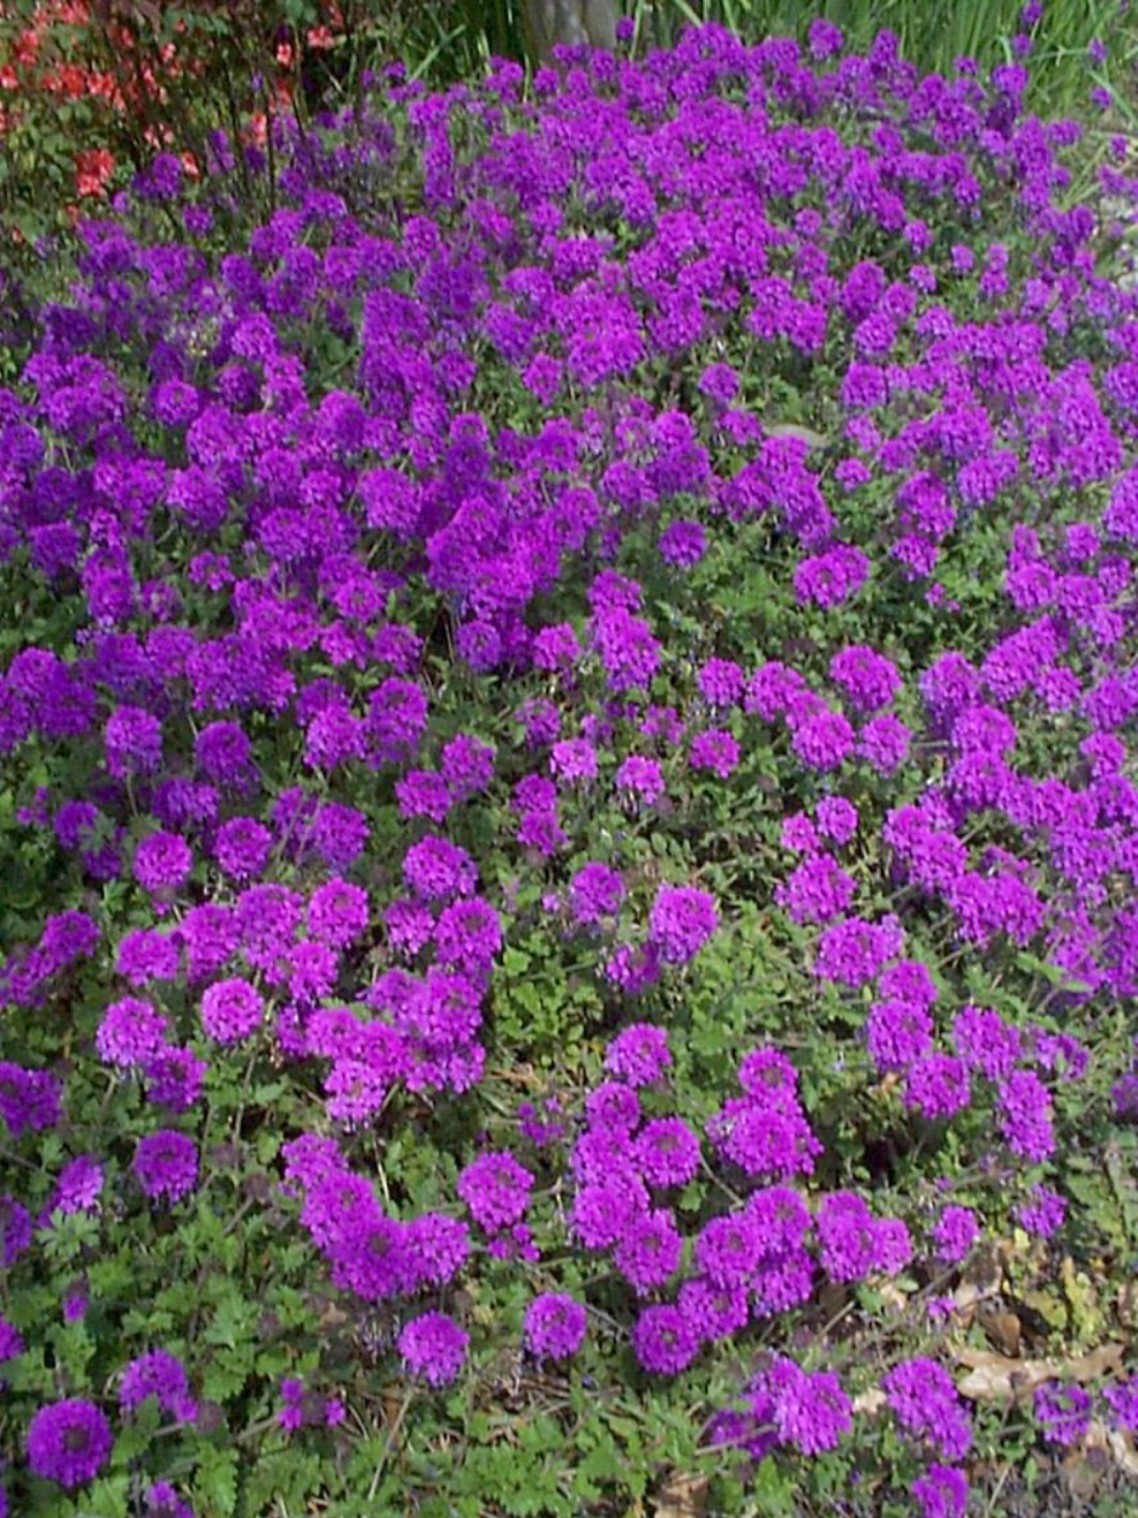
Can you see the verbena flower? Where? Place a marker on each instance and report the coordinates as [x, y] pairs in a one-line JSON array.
[[231, 1010], [924, 1399], [434, 1347], [69, 1442], [166, 1165], [942, 1492], [1063, 1412], [496, 1188], [639, 1055], [160, 1375], [554, 1326], [681, 921], [664, 1341]]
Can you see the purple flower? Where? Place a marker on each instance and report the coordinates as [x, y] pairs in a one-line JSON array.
[[955, 1232], [727, 1249], [434, 1347], [145, 955], [823, 741], [847, 1236], [649, 1249], [68, 1442], [224, 755], [133, 742], [163, 861], [231, 1010], [942, 1492], [664, 1341], [605, 1208], [809, 1411], [166, 1164], [496, 1188], [868, 679], [469, 935], [818, 890], [1063, 1412], [936, 1085], [29, 1099], [290, 1416], [613, 1107], [1043, 1214], [131, 1033], [985, 1042], [897, 1034], [715, 1312], [639, 1055], [683, 544], [439, 1246], [573, 759], [595, 893], [837, 819], [77, 1189], [715, 750], [242, 848], [764, 1139], [338, 913], [174, 1078], [666, 1152], [437, 870], [924, 1399], [641, 775], [162, 1376], [554, 1326], [1025, 1116], [422, 793], [1123, 1403], [681, 921], [11, 1341], [721, 682]]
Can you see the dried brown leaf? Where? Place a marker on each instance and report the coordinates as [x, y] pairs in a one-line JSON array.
[[998, 1378], [682, 1496]]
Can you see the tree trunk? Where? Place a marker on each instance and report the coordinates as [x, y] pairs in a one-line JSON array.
[[573, 23]]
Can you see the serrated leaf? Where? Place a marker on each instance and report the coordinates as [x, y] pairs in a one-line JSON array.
[[215, 1482]]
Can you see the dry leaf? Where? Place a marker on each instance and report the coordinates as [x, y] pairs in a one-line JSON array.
[[982, 1277], [996, 1378], [1124, 1450], [681, 1496], [870, 1401], [1002, 1328], [1128, 1304]]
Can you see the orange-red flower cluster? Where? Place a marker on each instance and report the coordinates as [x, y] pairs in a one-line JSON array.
[[29, 71]]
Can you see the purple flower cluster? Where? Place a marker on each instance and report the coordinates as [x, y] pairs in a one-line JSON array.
[[765, 1132], [69, 1442], [926, 1405], [325, 545]]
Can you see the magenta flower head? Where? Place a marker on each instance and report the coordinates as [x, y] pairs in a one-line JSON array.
[[166, 1164], [942, 1492], [160, 1375], [68, 1442], [554, 1326], [496, 1188], [1063, 1412], [640, 1055], [231, 1011], [163, 861], [433, 1346], [680, 923], [664, 1341]]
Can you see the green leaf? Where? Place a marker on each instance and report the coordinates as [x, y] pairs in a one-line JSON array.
[[215, 1481]]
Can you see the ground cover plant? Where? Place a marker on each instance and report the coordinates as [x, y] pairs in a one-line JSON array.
[[567, 811]]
